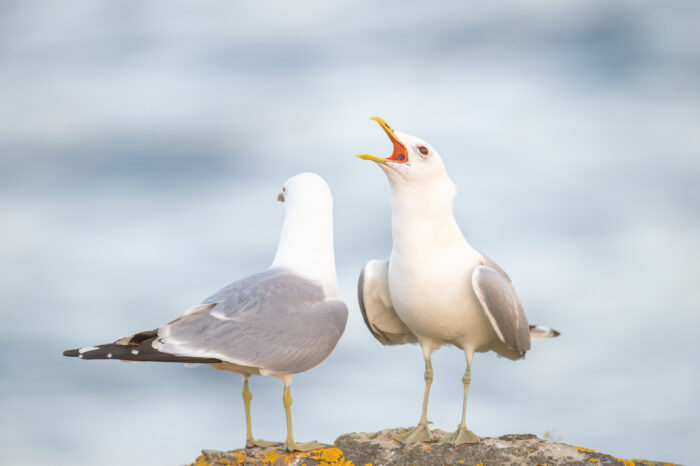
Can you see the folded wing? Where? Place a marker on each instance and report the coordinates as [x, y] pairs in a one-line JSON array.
[[502, 307], [377, 310], [136, 348], [276, 321]]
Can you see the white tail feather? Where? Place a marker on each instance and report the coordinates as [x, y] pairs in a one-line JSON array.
[[537, 332]]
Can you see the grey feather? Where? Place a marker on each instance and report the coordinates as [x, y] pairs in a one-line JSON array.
[[487, 261], [275, 320], [375, 303], [502, 307]]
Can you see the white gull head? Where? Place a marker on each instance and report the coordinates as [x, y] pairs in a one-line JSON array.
[[414, 167], [421, 189], [306, 241]]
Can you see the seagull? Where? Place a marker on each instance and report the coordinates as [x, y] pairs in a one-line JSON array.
[[275, 323], [436, 289]]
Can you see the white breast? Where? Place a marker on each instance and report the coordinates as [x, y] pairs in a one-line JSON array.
[[431, 266], [431, 290]]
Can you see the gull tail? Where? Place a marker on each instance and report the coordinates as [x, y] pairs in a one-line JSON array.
[[537, 332], [137, 347]]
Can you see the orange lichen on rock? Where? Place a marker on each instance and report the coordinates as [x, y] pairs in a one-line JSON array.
[[366, 449], [330, 457], [270, 456], [324, 456], [202, 461]]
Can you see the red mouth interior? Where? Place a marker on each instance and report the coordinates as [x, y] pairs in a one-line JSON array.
[[400, 154]]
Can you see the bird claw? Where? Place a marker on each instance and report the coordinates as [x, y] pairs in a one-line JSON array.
[[420, 433]]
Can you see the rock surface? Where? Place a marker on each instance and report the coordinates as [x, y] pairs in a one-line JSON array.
[[378, 449]]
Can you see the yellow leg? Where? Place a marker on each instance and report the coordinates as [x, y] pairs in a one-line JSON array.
[[249, 439], [421, 433], [290, 444], [287, 401], [247, 398], [428, 376], [466, 380], [463, 435]]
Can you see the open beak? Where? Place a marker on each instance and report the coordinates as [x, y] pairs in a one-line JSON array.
[[400, 154]]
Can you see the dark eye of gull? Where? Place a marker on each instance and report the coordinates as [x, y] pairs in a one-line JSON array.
[[423, 150]]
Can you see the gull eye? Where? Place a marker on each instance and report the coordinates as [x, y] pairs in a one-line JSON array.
[[423, 150]]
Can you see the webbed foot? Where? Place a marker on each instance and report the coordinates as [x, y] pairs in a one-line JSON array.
[[251, 443], [461, 436], [420, 433], [293, 446]]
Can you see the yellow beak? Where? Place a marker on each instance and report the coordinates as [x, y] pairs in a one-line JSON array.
[[371, 157], [399, 149], [280, 197]]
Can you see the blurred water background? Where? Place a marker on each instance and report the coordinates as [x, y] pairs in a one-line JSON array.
[[143, 144]]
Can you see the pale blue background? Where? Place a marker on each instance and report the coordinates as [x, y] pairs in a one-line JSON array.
[[143, 144]]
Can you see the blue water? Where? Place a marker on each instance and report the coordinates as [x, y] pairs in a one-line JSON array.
[[143, 144]]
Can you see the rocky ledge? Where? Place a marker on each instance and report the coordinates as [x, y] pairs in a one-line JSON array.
[[378, 449]]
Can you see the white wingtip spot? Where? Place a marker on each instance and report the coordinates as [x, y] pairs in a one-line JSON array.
[[87, 348], [80, 356], [109, 355], [134, 352], [219, 315]]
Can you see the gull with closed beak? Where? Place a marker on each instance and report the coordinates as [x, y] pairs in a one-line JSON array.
[[279, 322]]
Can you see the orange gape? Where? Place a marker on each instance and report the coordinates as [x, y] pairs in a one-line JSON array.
[[400, 154]]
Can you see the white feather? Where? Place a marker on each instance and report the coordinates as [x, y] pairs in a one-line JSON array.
[[87, 349]]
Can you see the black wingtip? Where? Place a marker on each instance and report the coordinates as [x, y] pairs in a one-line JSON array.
[[555, 333], [71, 353]]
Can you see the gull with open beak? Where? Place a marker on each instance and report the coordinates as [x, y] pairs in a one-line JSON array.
[[436, 289]]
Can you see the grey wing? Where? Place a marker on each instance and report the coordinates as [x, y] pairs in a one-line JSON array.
[[502, 307], [377, 310], [487, 261], [275, 321]]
